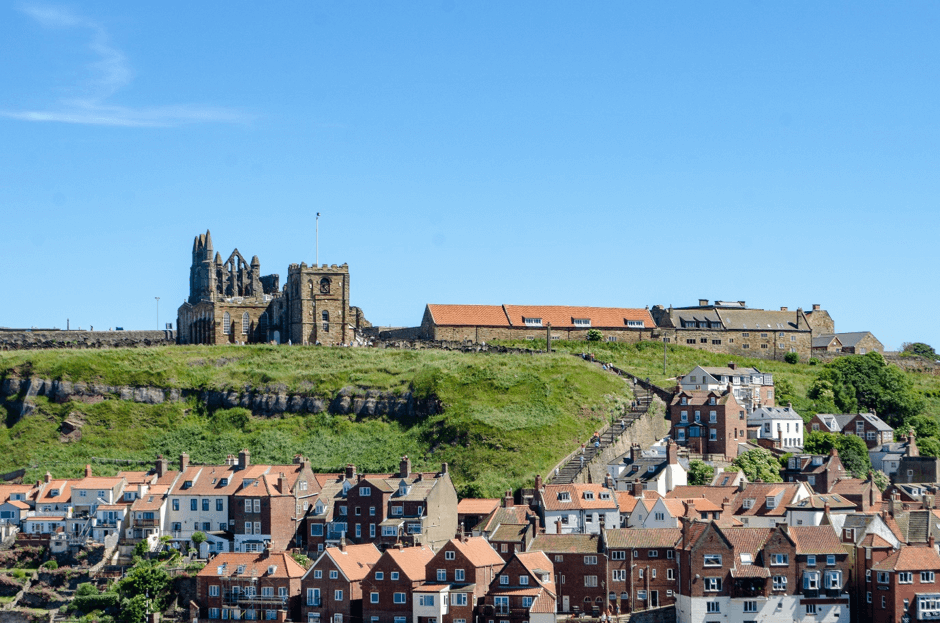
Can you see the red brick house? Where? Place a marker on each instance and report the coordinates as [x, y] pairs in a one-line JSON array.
[[458, 577], [580, 570], [708, 423], [642, 568], [906, 585], [818, 471], [255, 586], [471, 511], [332, 586], [388, 588], [524, 590]]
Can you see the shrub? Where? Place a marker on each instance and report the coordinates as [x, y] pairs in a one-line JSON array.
[[792, 357], [813, 361], [594, 335], [51, 564]]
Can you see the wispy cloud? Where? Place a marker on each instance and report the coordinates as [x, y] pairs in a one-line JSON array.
[[110, 73]]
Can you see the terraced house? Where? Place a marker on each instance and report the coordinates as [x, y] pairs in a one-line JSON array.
[[580, 570], [332, 586], [258, 586], [643, 570], [524, 590], [458, 577]]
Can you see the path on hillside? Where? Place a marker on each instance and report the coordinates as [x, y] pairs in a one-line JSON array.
[[581, 459]]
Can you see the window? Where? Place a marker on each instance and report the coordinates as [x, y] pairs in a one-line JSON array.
[[750, 606], [712, 585], [449, 555], [213, 613], [905, 577], [393, 576], [313, 596], [811, 581], [337, 595], [745, 346], [442, 575], [399, 598], [458, 599], [831, 560], [780, 583], [523, 580], [810, 608], [778, 559], [459, 575], [334, 574], [653, 553], [834, 579], [712, 560], [373, 598], [526, 602], [926, 577], [582, 322], [194, 504], [683, 416], [590, 560], [883, 577], [214, 591], [670, 574], [316, 529], [425, 600], [504, 580], [619, 575], [226, 323], [712, 606], [660, 516], [590, 580], [811, 560], [883, 602], [713, 435], [532, 322], [258, 505], [245, 323], [379, 576], [365, 491]]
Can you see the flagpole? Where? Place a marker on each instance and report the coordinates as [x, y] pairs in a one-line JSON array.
[[318, 239]]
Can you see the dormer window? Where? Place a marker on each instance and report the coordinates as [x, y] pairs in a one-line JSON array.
[[532, 322], [711, 400], [817, 460], [771, 502], [684, 400], [564, 496], [651, 469], [605, 495], [588, 495], [53, 493], [223, 482], [188, 484], [748, 503], [581, 322], [635, 323]]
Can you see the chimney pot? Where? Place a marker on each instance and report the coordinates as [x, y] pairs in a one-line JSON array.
[[702, 302], [88, 471], [350, 471], [48, 477], [404, 467], [184, 462], [243, 459]]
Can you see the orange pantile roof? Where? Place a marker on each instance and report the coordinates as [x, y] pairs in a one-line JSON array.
[[577, 500], [626, 501], [477, 506], [65, 492], [874, 541], [533, 561], [98, 482], [563, 316], [478, 551], [286, 566], [468, 315], [355, 561], [911, 558], [816, 540], [716, 494], [135, 478], [411, 561]]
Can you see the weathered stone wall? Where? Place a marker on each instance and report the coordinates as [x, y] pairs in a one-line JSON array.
[[488, 334], [645, 431], [758, 344], [25, 340], [666, 614], [17, 393]]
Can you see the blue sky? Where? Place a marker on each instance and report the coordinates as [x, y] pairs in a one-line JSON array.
[[611, 154]]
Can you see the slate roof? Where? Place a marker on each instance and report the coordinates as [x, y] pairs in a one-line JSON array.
[[639, 469], [911, 558], [848, 340], [565, 543], [816, 540], [509, 532], [877, 422], [628, 538], [765, 414], [760, 320], [819, 502]]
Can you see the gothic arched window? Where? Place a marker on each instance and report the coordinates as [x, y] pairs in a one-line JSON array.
[[325, 316], [325, 286], [245, 323]]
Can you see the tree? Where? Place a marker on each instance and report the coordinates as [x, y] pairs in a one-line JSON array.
[[918, 349], [791, 357], [700, 473], [880, 479], [198, 538], [929, 446], [594, 335], [924, 426], [853, 453], [134, 609], [758, 464], [145, 579]]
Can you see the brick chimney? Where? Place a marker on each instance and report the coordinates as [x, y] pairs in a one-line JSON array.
[[48, 478], [742, 484], [930, 541], [558, 526], [672, 453], [444, 469], [637, 489], [88, 471], [702, 302], [507, 499], [815, 306], [732, 365], [538, 482], [342, 543], [783, 309], [350, 471], [162, 466], [282, 484], [404, 467], [635, 452], [184, 462], [911, 443], [244, 458]]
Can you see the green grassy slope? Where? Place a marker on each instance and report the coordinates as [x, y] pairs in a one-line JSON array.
[[507, 417]]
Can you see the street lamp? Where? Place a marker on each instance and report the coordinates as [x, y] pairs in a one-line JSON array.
[[158, 312]]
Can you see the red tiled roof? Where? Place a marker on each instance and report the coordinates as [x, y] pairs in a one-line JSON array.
[[287, 567], [816, 540], [468, 315], [411, 561], [478, 551], [477, 506], [563, 316], [356, 560], [550, 497], [911, 558], [875, 541], [715, 494]]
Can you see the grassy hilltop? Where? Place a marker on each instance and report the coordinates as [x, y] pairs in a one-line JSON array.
[[507, 417]]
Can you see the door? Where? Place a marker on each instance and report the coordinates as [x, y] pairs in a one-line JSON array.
[[565, 604], [654, 599]]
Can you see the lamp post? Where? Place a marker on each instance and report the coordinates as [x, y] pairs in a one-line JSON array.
[[158, 312]]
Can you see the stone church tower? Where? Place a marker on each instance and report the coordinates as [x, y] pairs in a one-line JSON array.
[[230, 302]]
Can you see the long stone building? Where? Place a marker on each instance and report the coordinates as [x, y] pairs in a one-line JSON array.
[[230, 302]]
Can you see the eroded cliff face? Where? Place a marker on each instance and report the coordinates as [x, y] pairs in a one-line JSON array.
[[18, 394]]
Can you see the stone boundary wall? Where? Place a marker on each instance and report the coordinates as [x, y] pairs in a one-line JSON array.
[[18, 394], [45, 339], [646, 431]]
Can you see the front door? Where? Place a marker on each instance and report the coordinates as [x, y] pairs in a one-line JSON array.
[[654, 599], [565, 604]]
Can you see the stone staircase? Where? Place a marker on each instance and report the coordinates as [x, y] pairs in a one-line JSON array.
[[918, 527], [579, 461]]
